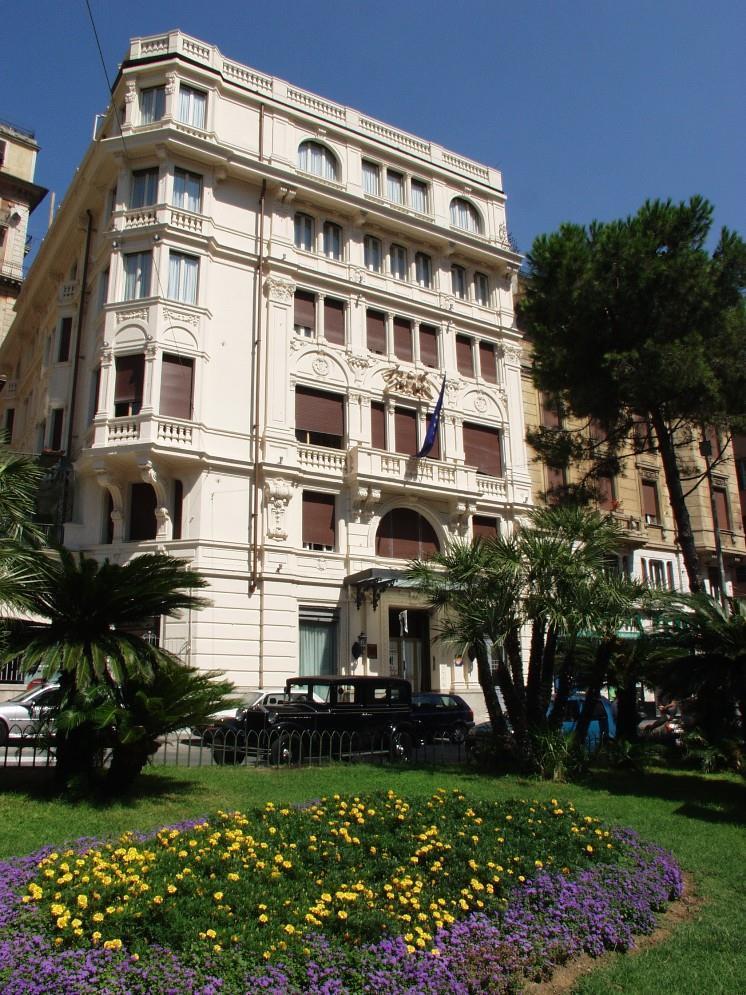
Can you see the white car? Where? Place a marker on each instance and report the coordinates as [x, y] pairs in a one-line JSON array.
[[252, 699], [25, 714]]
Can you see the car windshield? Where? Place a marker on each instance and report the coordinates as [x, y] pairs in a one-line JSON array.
[[27, 698], [253, 698]]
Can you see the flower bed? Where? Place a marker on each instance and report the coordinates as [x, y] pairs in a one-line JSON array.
[[365, 894]]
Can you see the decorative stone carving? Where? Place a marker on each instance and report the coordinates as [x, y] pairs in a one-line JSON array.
[[136, 314], [357, 275], [149, 475], [358, 364], [480, 403], [296, 343], [105, 480], [406, 382], [131, 92], [278, 290], [171, 80], [461, 511], [184, 317], [512, 353], [320, 366], [106, 355], [452, 387], [277, 495], [447, 302], [364, 503]]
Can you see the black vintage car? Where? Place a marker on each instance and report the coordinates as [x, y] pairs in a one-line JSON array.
[[443, 716], [324, 716]]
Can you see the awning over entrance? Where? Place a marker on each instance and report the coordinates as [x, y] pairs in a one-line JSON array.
[[377, 581]]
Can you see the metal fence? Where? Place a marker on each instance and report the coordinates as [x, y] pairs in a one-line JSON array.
[[24, 747]]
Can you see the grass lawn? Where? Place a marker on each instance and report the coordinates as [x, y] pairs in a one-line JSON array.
[[701, 819]]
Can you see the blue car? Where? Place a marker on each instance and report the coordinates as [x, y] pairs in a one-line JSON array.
[[603, 721]]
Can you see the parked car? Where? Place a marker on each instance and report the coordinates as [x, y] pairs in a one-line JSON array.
[[322, 715], [669, 726], [601, 728], [251, 700], [26, 714], [442, 716]]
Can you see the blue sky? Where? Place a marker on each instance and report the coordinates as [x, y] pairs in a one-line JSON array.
[[588, 107]]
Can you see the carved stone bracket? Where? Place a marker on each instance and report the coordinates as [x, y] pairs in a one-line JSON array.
[[512, 353], [134, 314], [149, 475], [184, 317], [277, 495], [105, 480], [447, 302], [278, 290], [415, 385], [171, 80], [358, 365], [364, 503], [452, 387], [131, 92], [461, 511]]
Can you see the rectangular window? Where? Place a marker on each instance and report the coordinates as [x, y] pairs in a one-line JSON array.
[[66, 332], [144, 187], [484, 527], [550, 410], [304, 316], [192, 106], [129, 378], [481, 289], [183, 271], [424, 269], [435, 451], [482, 449], [458, 281], [187, 190], [55, 436], [556, 482], [143, 523], [487, 362], [464, 356], [419, 196], [10, 420], [429, 346], [319, 418], [606, 498], [317, 642], [334, 321], [403, 339], [376, 331], [371, 178], [332, 240], [177, 383], [137, 266], [304, 232], [93, 391], [398, 262], [650, 506], [723, 511], [152, 104], [373, 253], [405, 431], [103, 288], [378, 425], [656, 573], [395, 186], [319, 527]]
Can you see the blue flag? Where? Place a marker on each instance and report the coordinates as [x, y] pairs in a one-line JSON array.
[[432, 431]]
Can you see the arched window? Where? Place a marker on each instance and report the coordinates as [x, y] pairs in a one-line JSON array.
[[317, 159], [465, 215], [406, 535]]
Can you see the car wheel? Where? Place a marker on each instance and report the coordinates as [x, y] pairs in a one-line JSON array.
[[4, 734], [402, 747], [226, 754], [285, 749], [458, 734]]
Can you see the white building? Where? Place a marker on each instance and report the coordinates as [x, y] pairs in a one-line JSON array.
[[237, 330]]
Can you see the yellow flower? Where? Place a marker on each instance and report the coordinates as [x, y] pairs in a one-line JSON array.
[[341, 914], [95, 936], [263, 918], [218, 896], [289, 928], [112, 944], [211, 933]]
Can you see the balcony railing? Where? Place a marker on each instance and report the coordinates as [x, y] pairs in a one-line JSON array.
[[146, 428]]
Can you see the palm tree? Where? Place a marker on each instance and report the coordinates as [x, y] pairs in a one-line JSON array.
[[20, 537], [552, 577], [87, 623]]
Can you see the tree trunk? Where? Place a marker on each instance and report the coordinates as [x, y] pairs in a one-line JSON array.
[[627, 719], [547, 670], [564, 682], [593, 694], [127, 761], [678, 504], [487, 683], [533, 679]]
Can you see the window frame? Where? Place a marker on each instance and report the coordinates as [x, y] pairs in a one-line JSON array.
[[461, 208], [481, 280], [327, 159], [140, 281], [187, 174], [330, 231], [309, 225], [371, 170], [178, 292], [400, 252], [458, 281], [192, 119], [424, 188], [146, 197], [423, 258], [159, 91], [396, 182], [370, 241]]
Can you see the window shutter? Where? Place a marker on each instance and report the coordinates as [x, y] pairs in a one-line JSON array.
[[487, 361], [483, 527], [482, 449], [334, 321], [721, 504], [406, 535], [555, 477], [650, 501], [376, 331], [66, 330], [550, 417], [435, 451], [130, 373], [403, 339], [378, 425], [464, 358], [305, 310], [605, 493], [319, 412], [177, 376], [143, 525], [405, 431], [429, 346], [318, 519]]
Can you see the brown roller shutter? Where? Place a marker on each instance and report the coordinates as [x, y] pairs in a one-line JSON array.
[[739, 446], [487, 361], [429, 346], [143, 525], [130, 373], [376, 331], [319, 412], [482, 449], [721, 503], [406, 535], [318, 520], [305, 310], [334, 321], [403, 339], [177, 376], [378, 425], [464, 358], [650, 501], [550, 416], [435, 451], [178, 508], [605, 493], [483, 527], [405, 431]]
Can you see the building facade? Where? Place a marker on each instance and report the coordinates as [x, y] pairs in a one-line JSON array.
[[19, 196], [234, 337]]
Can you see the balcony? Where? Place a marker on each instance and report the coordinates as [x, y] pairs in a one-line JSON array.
[[163, 215], [148, 430]]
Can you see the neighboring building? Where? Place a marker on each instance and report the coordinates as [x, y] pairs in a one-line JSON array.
[[19, 195], [236, 331], [638, 500]]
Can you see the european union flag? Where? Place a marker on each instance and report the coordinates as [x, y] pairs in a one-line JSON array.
[[432, 431]]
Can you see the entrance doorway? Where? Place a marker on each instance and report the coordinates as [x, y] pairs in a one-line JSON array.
[[409, 647]]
